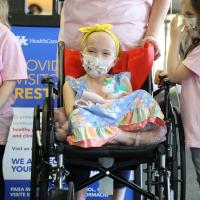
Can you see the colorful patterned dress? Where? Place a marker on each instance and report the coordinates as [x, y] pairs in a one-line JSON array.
[[95, 124]]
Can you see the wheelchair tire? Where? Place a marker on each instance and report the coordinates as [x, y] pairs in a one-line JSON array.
[[70, 194], [181, 158], [35, 154], [177, 165], [44, 167]]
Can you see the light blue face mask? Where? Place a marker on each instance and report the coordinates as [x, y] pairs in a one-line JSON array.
[[96, 67]]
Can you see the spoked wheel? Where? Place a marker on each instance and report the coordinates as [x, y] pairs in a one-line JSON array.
[[177, 164], [44, 167], [179, 160], [35, 155]]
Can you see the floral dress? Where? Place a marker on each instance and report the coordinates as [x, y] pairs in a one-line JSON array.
[[95, 124]]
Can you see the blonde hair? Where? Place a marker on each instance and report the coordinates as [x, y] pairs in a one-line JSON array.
[[4, 12]]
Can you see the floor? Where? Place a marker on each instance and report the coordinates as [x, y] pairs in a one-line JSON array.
[[192, 188]]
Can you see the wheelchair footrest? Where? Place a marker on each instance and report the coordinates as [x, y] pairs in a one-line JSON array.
[[58, 194]]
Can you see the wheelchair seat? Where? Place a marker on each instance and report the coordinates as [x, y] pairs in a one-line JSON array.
[[160, 158]]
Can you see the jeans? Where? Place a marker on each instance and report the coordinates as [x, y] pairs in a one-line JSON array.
[[196, 161]]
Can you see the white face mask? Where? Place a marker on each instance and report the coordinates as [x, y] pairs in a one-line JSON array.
[[191, 22], [96, 67]]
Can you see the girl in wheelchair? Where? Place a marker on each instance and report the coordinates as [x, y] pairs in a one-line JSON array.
[[101, 108]]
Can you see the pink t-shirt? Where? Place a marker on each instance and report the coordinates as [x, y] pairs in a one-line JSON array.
[[12, 67], [128, 17], [190, 99]]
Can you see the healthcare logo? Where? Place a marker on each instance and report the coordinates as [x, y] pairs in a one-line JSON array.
[[22, 40]]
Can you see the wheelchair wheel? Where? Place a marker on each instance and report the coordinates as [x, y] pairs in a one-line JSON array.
[[177, 164], [44, 167], [35, 154], [179, 175]]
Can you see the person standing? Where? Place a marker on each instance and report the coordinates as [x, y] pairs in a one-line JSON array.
[[134, 22], [12, 67]]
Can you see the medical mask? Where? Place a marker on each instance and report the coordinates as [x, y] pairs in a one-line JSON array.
[[191, 22], [96, 67]]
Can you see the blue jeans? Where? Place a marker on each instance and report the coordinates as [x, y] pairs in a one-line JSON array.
[[196, 161]]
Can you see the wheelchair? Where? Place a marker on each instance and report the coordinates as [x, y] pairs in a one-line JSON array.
[[165, 162]]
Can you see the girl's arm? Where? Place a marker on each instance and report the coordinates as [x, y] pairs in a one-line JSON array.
[[6, 90], [68, 98], [175, 68]]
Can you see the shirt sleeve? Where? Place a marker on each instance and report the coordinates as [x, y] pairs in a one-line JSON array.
[[192, 61], [14, 63], [78, 85]]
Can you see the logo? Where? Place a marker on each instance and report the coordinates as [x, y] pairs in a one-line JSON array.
[[22, 40]]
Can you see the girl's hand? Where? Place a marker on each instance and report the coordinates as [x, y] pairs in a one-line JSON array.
[[177, 32], [158, 75], [123, 94], [116, 96]]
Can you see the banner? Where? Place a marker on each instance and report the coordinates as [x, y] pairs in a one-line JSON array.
[[39, 45]]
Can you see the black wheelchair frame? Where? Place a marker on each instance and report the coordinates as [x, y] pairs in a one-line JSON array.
[[166, 172]]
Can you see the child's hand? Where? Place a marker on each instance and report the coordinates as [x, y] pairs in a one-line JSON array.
[[158, 76], [123, 94], [177, 32], [116, 96]]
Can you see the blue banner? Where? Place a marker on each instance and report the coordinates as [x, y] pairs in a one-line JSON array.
[[39, 46]]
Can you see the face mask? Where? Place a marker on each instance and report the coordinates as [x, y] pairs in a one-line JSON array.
[[96, 67], [191, 22]]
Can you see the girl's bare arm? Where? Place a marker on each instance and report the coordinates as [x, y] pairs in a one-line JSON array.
[[68, 98], [6, 91]]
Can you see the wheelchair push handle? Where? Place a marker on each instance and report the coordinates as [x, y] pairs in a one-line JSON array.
[[47, 80], [164, 81]]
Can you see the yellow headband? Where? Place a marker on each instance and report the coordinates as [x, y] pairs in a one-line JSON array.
[[98, 28]]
